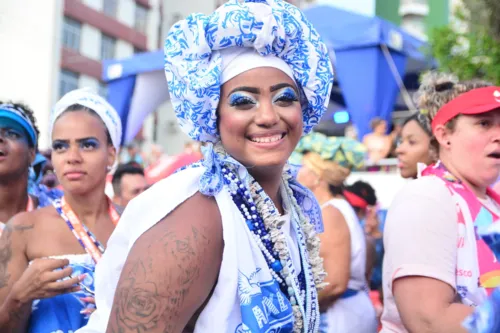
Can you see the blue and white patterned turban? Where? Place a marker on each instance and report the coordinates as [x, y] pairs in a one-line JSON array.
[[193, 63]]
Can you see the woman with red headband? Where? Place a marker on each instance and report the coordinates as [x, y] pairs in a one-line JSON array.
[[436, 269], [361, 196], [326, 163]]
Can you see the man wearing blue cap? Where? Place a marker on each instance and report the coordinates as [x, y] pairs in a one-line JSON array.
[[18, 147]]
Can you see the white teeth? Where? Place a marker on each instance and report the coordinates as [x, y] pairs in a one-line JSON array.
[[267, 139]]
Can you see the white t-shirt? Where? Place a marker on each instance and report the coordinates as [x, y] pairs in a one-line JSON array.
[[420, 239]]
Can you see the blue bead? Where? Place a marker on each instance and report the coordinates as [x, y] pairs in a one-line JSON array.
[[250, 225], [276, 266]]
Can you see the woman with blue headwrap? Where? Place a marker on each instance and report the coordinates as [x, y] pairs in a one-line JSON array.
[[48, 256], [18, 146], [229, 244]]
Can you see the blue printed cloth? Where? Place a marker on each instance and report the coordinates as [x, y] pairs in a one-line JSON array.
[[61, 314], [486, 317], [44, 194]]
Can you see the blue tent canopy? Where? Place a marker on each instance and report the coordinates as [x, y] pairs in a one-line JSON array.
[[365, 73], [371, 55], [344, 30]]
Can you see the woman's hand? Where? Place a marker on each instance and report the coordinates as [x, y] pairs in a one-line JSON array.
[[88, 300], [44, 279]]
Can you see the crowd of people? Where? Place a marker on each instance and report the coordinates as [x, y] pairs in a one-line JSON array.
[[264, 233]]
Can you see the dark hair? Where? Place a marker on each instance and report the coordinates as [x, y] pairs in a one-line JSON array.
[[29, 113], [336, 190], [122, 170], [78, 107], [364, 190], [421, 121]]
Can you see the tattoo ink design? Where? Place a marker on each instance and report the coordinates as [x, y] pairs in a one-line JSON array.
[[143, 302], [5, 255], [140, 307]]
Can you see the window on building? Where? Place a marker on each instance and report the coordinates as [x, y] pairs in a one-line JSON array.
[[108, 45], [71, 34], [141, 18], [67, 81], [109, 7], [103, 89]]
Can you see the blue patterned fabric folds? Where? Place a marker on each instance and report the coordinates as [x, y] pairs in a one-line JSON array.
[[272, 28], [486, 317]]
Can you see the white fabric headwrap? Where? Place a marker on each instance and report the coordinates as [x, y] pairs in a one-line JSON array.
[[88, 98], [237, 60]]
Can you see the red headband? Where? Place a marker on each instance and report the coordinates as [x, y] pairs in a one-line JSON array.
[[355, 200], [480, 100]]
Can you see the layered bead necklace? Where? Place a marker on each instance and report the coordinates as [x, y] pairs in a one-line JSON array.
[[265, 223]]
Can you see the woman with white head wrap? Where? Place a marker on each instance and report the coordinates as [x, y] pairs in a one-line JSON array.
[[228, 245], [48, 275]]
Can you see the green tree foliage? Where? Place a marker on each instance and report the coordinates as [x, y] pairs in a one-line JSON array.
[[470, 48]]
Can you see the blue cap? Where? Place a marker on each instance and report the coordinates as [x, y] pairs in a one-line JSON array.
[[16, 114]]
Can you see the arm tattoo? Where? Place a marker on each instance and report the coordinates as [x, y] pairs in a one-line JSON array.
[[5, 255], [22, 228], [146, 300], [6, 250]]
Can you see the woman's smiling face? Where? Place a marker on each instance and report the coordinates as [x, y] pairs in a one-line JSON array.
[[260, 117]]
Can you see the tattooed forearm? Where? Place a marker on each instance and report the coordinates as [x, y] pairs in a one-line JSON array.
[[5, 255], [153, 292]]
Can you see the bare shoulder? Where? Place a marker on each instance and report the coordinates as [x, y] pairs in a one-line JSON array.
[[27, 229], [332, 215], [335, 225], [26, 221], [20, 223], [174, 266]]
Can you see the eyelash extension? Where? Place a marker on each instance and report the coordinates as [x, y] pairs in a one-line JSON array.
[[288, 95], [238, 99]]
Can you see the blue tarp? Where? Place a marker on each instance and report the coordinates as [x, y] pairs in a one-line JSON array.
[[365, 77], [344, 30]]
